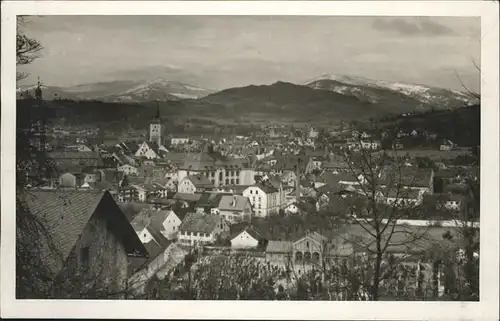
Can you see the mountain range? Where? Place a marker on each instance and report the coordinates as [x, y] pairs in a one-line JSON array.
[[124, 91], [337, 96]]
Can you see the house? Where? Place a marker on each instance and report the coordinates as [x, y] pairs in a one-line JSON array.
[[300, 208], [174, 141], [202, 229], [128, 169], [409, 177], [403, 197], [450, 202], [208, 202], [247, 238], [165, 222], [71, 179], [150, 150], [309, 249], [234, 208], [194, 184], [265, 199], [220, 170], [87, 231], [279, 253], [446, 145], [127, 194]]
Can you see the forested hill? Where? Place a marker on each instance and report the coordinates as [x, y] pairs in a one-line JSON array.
[[461, 125]]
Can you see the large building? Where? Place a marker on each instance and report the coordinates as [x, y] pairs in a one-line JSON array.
[[220, 170]]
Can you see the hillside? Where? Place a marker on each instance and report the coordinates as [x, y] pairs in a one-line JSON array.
[[462, 125], [295, 101], [393, 93]]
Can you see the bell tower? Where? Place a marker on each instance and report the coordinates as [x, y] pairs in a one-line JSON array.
[[155, 127]]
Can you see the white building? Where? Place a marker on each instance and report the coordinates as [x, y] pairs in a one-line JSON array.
[[198, 228], [265, 199], [246, 239]]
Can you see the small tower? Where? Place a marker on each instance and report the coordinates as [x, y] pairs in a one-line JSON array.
[[155, 127], [38, 91]]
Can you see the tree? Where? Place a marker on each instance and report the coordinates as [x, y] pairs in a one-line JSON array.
[[384, 191], [27, 49]]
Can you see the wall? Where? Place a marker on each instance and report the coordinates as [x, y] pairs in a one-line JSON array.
[[247, 176], [244, 240], [280, 259], [107, 260], [144, 236], [171, 225], [186, 186]]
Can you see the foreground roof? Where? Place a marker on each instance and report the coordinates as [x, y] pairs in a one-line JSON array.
[[65, 214]]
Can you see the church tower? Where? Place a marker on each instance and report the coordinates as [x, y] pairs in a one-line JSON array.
[[155, 128]]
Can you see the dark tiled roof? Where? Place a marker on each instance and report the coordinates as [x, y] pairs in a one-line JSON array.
[[150, 218], [250, 229], [66, 212], [203, 223], [209, 200], [267, 188], [187, 197], [200, 181], [233, 202]]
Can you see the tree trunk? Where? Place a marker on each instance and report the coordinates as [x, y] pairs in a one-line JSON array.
[[376, 274]]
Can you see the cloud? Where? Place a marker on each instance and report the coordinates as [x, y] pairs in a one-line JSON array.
[[413, 27]]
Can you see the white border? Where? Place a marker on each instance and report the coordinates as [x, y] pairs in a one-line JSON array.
[[486, 309]]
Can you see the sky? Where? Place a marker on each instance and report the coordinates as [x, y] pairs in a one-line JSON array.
[[219, 52]]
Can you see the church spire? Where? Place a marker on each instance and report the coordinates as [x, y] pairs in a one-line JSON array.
[[157, 110]]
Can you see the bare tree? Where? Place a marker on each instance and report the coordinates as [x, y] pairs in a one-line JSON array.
[[386, 195], [27, 49]]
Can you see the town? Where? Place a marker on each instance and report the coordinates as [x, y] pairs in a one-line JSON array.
[[294, 210], [219, 158]]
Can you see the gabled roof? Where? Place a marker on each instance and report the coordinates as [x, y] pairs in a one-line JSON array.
[[266, 188], [408, 176], [232, 203], [209, 200], [65, 214], [200, 223], [150, 218], [200, 181], [251, 230], [187, 197], [279, 247]]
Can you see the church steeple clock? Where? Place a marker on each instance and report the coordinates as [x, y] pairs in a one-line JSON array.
[[156, 128]]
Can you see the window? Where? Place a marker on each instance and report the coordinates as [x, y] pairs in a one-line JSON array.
[[227, 181], [145, 235], [251, 191], [232, 181], [85, 258], [237, 181]]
